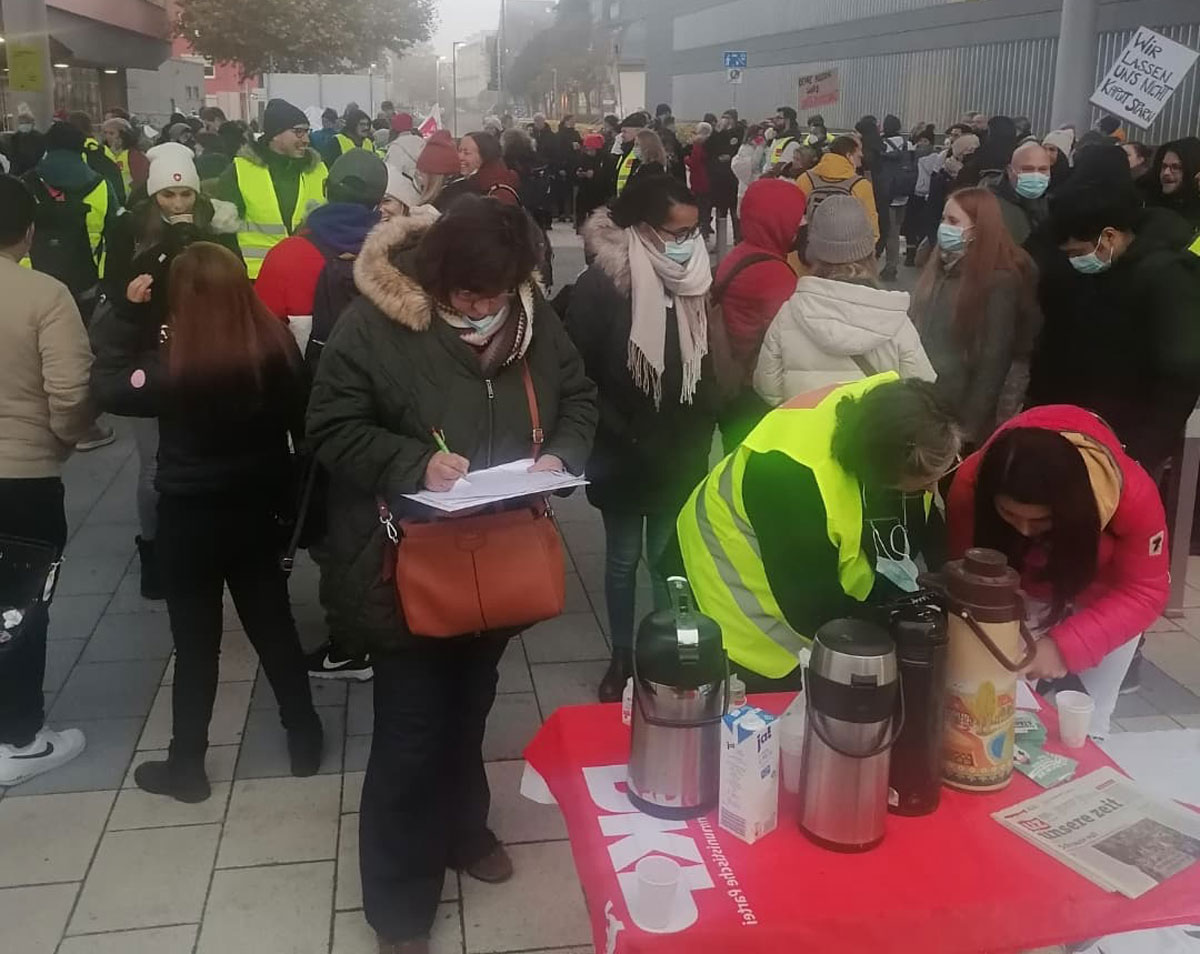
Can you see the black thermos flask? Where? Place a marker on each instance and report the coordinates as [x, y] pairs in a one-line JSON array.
[[915, 779]]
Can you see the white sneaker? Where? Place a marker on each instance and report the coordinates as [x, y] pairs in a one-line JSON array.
[[47, 751]]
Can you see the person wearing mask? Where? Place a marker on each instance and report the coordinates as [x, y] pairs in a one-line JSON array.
[[482, 171], [722, 147], [1059, 145], [626, 153], [275, 183], [97, 154], [323, 140], [449, 329], [1083, 524], [838, 325], [896, 180], [975, 308], [228, 389], [943, 182], [45, 361], [356, 134], [696, 160], [569, 149], [143, 244], [837, 482], [1022, 191], [786, 141], [1141, 160], [592, 189], [747, 165], [819, 138], [1174, 179], [638, 316], [1121, 335], [27, 145], [122, 143], [752, 283], [838, 174]]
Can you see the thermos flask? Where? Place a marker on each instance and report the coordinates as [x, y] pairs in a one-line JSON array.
[[915, 778]]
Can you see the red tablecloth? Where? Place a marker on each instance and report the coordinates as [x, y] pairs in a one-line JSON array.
[[948, 883]]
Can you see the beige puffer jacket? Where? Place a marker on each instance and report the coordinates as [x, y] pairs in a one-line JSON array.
[[824, 326]]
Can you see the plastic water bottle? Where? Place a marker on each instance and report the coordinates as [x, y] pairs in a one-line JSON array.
[[627, 702], [737, 693]]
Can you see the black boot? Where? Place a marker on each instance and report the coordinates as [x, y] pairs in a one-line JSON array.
[[910, 256], [620, 668], [152, 587], [181, 777], [306, 744]]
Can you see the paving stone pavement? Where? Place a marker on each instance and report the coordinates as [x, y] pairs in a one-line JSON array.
[[91, 865]]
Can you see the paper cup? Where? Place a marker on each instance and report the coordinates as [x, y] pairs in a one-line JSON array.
[[791, 751], [657, 885], [1074, 717]]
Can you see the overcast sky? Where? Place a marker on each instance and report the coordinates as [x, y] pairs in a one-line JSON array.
[[459, 19]]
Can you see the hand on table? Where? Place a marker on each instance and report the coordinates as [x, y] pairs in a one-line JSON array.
[[1047, 662], [138, 290], [444, 470], [548, 462]]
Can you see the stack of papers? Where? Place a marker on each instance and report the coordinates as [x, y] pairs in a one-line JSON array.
[[506, 482]]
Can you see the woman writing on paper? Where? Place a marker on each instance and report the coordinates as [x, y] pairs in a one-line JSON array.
[[1083, 523], [448, 323]]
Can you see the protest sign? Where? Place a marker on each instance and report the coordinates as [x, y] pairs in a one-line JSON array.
[[819, 89], [1144, 76]]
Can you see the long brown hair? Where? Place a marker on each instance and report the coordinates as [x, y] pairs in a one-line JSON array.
[[990, 251], [221, 337]]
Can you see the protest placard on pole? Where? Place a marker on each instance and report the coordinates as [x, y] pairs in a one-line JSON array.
[[819, 89], [1144, 76]]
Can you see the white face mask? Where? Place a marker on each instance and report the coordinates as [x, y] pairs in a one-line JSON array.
[[487, 323], [893, 559], [183, 218]]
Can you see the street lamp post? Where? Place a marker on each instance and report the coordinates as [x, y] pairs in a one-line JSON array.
[[371, 90], [454, 79]]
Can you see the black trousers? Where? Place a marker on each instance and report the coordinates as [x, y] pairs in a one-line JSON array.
[[204, 543], [425, 797], [31, 508]]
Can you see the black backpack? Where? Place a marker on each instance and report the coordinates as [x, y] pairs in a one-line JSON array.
[[904, 171], [536, 186], [61, 247], [334, 293]]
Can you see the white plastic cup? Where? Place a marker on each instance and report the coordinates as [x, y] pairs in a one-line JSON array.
[[1074, 717], [791, 749], [657, 884]]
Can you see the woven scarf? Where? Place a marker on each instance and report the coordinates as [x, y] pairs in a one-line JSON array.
[[653, 278]]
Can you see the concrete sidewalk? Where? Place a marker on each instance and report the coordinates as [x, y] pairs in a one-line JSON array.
[[91, 865]]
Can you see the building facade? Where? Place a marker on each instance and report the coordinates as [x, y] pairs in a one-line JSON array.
[[924, 60]]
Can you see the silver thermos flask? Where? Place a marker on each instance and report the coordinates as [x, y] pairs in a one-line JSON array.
[[854, 716]]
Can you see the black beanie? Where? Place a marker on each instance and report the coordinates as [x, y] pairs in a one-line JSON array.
[[62, 135], [281, 116]]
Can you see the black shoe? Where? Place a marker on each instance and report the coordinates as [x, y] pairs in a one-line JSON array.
[[305, 747], [1133, 676], [183, 779], [910, 257], [152, 585], [620, 668], [328, 663], [888, 274]]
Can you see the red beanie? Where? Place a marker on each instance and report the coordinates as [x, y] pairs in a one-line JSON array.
[[402, 123], [440, 155]]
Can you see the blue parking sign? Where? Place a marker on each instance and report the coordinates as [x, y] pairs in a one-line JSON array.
[[736, 60]]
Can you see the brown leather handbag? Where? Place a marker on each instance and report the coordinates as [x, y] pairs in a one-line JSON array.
[[460, 576]]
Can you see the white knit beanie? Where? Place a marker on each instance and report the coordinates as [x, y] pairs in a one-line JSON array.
[[172, 165]]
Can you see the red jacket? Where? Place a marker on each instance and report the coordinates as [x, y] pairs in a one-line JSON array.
[[287, 283], [772, 211], [1131, 585], [697, 165]]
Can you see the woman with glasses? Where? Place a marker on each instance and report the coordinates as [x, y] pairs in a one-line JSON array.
[[638, 316], [449, 332]]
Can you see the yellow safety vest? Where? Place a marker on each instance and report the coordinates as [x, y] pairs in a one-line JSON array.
[[624, 171], [775, 156], [720, 548], [1194, 248], [122, 160], [264, 227]]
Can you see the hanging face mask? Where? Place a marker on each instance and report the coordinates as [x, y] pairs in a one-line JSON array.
[[680, 252], [488, 323], [183, 218], [894, 561], [1032, 185], [1091, 263], [951, 238]]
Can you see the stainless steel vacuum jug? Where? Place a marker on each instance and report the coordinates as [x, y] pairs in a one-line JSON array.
[[854, 717], [680, 680]]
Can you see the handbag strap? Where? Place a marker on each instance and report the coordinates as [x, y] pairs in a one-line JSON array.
[[288, 560], [535, 417], [863, 365]]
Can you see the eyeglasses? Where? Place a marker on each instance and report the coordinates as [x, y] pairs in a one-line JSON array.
[[680, 235], [1172, 166]]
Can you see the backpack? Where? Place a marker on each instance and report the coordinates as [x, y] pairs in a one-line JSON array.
[[731, 375], [61, 247], [824, 188], [536, 186], [335, 292], [904, 171]]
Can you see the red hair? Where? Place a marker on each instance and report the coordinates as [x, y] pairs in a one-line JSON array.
[[222, 338], [990, 251]]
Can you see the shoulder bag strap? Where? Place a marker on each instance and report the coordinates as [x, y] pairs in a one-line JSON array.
[[863, 365], [288, 560], [535, 417], [719, 289]]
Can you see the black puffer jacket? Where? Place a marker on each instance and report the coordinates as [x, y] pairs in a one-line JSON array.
[[646, 460], [392, 371]]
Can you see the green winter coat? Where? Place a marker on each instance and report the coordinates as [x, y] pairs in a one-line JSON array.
[[391, 371]]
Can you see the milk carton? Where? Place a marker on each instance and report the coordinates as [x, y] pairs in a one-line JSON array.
[[749, 805]]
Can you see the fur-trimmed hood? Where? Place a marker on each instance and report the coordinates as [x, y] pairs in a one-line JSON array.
[[253, 152], [607, 246], [380, 277]]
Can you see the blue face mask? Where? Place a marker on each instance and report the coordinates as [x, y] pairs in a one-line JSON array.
[[680, 252], [895, 563], [1032, 185], [1091, 263], [487, 323], [951, 237]]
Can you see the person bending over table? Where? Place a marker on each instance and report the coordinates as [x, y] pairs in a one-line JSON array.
[[825, 507], [1084, 525]]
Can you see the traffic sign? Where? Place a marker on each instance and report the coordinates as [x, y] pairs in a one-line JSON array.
[[735, 75], [736, 60]]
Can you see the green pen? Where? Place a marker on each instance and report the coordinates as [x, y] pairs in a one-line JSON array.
[[439, 438]]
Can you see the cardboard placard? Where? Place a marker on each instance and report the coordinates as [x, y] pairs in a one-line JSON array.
[[819, 89], [1144, 76]]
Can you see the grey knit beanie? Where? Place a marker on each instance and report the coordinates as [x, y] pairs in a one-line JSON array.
[[839, 232]]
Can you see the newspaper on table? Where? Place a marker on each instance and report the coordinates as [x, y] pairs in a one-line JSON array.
[[1108, 830]]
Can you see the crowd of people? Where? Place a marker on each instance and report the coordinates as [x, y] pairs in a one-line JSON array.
[[305, 326]]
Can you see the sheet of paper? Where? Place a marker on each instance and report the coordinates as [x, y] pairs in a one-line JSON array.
[[1165, 763], [494, 484], [1026, 697]]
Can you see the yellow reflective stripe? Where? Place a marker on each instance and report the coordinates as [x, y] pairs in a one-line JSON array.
[[97, 202], [625, 170], [264, 228], [1194, 248]]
